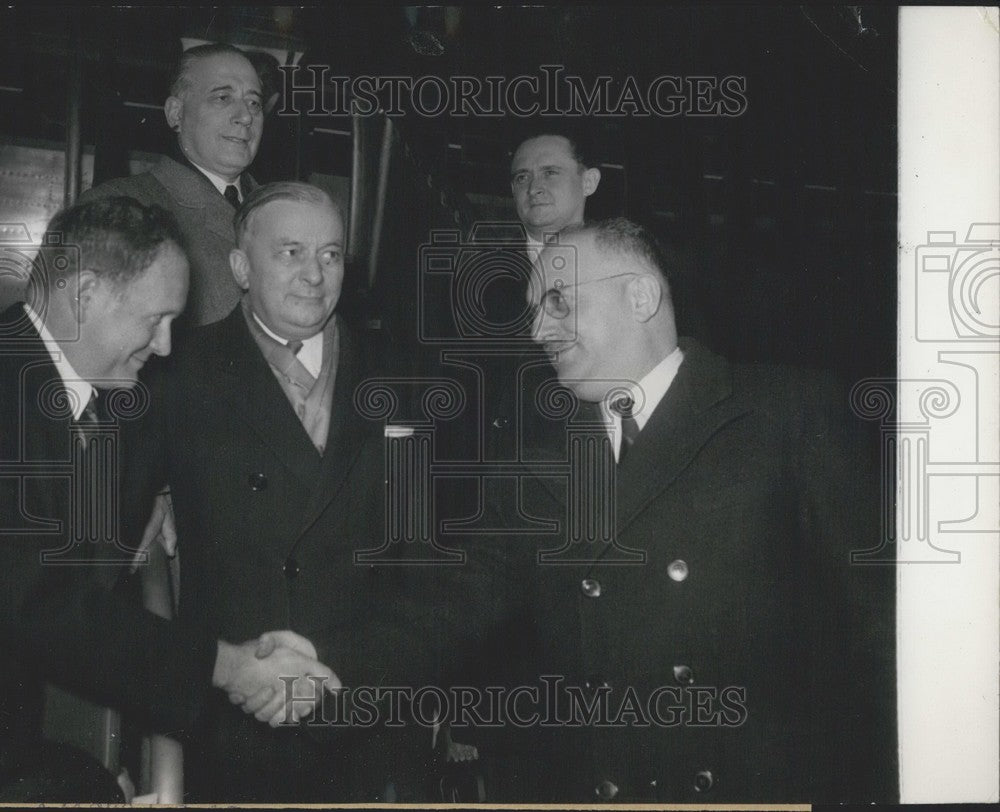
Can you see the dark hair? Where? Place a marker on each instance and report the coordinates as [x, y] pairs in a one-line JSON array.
[[623, 237], [178, 76], [578, 136], [115, 237], [281, 190]]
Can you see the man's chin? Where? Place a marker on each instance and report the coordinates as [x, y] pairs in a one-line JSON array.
[[542, 220], [591, 391], [123, 380]]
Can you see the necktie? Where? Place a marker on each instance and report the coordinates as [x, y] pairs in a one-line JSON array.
[[94, 515], [295, 346], [89, 415], [630, 428], [232, 195], [87, 424]]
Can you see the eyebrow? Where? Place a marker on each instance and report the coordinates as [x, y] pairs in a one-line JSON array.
[[233, 88], [514, 172], [292, 241]]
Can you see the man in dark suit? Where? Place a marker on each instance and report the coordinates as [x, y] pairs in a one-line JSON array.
[[110, 279], [695, 629], [278, 483], [551, 176], [216, 108]]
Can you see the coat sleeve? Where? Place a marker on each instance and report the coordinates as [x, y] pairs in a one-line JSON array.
[[98, 642], [67, 624]]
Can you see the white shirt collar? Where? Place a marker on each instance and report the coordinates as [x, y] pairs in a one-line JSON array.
[[218, 181], [646, 394], [79, 389], [311, 354]]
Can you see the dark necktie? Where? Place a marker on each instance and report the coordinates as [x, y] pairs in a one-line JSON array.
[[295, 346], [630, 428], [232, 195], [87, 424]]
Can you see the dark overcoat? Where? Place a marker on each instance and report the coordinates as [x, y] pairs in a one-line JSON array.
[[725, 646]]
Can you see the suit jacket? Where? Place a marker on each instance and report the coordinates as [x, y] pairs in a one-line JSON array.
[[64, 624], [745, 658], [206, 221], [268, 530]]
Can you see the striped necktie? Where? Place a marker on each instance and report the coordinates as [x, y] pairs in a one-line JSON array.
[[630, 428]]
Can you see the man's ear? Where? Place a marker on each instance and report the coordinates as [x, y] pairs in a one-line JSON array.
[[645, 296], [239, 264], [172, 109], [88, 289], [591, 178]]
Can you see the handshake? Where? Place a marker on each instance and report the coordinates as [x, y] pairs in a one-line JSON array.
[[277, 677]]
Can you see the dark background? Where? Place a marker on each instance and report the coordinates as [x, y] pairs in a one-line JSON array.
[[784, 218]]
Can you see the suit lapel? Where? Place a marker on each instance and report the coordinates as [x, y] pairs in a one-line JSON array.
[[192, 190], [697, 405], [586, 417], [248, 385], [348, 430], [37, 429], [35, 432]]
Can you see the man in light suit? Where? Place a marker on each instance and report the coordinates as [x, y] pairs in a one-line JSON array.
[[110, 280], [278, 482], [705, 631], [217, 110]]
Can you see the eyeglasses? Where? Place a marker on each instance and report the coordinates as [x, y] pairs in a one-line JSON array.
[[554, 303]]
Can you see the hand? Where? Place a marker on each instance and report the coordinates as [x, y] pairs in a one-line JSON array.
[[258, 683], [269, 641], [267, 704], [160, 528]]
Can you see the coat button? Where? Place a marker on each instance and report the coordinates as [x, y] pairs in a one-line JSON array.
[[677, 570], [591, 587], [683, 675], [606, 790], [703, 781], [291, 568], [257, 482], [500, 422]]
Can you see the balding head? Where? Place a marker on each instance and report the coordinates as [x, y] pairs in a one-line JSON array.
[[604, 313]]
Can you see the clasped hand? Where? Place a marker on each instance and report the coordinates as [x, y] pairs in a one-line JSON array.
[[277, 677]]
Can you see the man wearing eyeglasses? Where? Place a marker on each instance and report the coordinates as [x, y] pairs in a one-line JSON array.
[[696, 627]]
